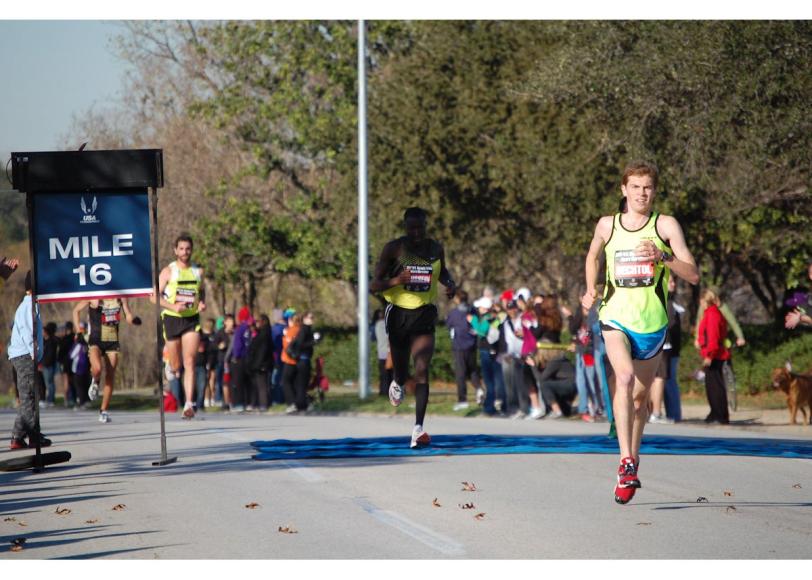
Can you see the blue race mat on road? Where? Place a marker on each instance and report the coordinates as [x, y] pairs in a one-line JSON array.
[[505, 444]]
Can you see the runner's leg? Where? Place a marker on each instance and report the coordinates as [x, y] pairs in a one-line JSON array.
[[618, 350], [190, 342], [644, 372], [110, 364], [422, 353]]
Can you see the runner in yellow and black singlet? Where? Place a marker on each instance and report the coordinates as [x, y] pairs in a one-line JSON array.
[[104, 347], [180, 287], [642, 249], [407, 274]]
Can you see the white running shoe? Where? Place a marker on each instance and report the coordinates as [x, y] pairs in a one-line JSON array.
[[104, 417], [93, 390], [188, 411], [659, 419], [518, 415], [169, 373], [480, 396], [419, 437], [535, 413], [395, 394], [461, 406], [290, 410]]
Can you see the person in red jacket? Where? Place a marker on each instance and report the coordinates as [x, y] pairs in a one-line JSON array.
[[712, 333]]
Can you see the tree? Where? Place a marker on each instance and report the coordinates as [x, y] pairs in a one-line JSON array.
[[723, 108]]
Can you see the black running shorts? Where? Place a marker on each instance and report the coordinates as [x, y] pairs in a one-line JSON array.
[[106, 346], [403, 324], [177, 326]]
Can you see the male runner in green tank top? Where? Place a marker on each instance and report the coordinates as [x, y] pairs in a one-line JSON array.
[[407, 274], [180, 287], [642, 249]]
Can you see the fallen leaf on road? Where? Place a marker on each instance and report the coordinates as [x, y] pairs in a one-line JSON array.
[[436, 503], [10, 519], [480, 516], [119, 507], [23, 524], [730, 508], [468, 486], [17, 545], [252, 506], [728, 493], [797, 486], [643, 523], [91, 521], [466, 506], [701, 499], [60, 511], [287, 530]]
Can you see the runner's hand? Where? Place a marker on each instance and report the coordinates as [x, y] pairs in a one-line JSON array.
[[450, 291], [405, 277], [201, 306], [740, 342], [588, 299], [8, 266], [647, 249]]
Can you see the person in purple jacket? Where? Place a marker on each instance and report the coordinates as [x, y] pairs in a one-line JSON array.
[[464, 349], [240, 373]]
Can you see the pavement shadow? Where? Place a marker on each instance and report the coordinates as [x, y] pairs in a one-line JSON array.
[[27, 504], [69, 536], [724, 504]]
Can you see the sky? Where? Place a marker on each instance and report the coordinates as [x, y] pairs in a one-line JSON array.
[[57, 69], [52, 71]]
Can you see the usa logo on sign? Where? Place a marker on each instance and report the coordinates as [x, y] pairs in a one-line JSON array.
[[89, 216]]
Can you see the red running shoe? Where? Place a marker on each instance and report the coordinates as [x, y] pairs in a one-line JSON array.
[[627, 481], [17, 444]]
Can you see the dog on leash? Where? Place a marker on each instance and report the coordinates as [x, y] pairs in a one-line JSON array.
[[798, 389]]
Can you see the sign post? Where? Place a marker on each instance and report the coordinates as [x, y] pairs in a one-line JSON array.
[[91, 232]]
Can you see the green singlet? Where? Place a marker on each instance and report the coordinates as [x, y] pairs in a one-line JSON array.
[[636, 288]]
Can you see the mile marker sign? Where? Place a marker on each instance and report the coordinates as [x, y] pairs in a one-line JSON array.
[[92, 245]]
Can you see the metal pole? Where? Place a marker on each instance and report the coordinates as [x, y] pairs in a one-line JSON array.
[[153, 202], [29, 202], [363, 250]]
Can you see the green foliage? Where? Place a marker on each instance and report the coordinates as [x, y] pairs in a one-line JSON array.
[[14, 228], [767, 347], [722, 108]]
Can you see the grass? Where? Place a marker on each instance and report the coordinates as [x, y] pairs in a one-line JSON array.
[[345, 399]]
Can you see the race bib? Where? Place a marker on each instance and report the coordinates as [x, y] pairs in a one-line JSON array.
[[632, 271], [421, 278], [186, 296], [111, 315]]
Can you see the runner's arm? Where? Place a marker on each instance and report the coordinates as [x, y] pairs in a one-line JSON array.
[[128, 315], [445, 276], [602, 232], [81, 305], [163, 280], [380, 281], [682, 264], [201, 304]]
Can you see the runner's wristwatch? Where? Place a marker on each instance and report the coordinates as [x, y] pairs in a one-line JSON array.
[[665, 257]]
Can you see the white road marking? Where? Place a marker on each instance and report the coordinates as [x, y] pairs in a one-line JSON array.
[[422, 534]]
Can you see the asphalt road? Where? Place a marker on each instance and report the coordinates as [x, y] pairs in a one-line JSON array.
[[535, 506]]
